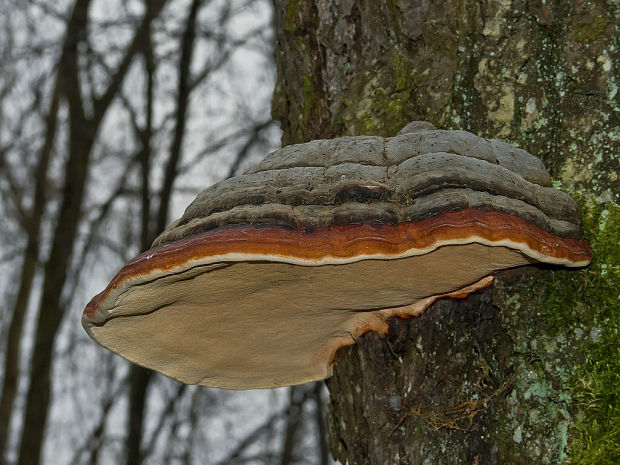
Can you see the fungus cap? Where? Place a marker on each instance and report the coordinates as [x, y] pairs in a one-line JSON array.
[[267, 274]]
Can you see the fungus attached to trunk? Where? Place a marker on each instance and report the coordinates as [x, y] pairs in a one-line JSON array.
[[267, 274]]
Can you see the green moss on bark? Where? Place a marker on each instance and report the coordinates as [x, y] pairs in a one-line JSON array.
[[588, 303], [589, 31]]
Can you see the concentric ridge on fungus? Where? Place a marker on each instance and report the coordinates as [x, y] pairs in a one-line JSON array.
[[267, 274]]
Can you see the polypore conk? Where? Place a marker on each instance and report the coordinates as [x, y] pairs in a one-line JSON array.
[[267, 274]]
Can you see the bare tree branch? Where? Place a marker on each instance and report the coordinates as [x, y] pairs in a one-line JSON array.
[[244, 151], [96, 438], [161, 421], [319, 415], [297, 397], [210, 149], [101, 103], [235, 456]]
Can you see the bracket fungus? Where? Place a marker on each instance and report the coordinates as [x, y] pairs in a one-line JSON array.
[[267, 274]]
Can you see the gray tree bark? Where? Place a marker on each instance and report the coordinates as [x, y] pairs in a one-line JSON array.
[[493, 378]]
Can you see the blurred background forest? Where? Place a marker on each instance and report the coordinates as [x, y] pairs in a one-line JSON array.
[[114, 114]]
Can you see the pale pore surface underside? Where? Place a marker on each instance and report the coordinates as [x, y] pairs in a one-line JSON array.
[[267, 324]]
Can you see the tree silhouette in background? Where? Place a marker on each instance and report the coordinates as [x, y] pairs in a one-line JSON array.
[[109, 112]]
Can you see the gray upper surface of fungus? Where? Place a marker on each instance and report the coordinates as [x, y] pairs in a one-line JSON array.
[[367, 179]]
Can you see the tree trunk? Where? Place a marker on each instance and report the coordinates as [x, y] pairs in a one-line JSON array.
[[494, 378], [55, 270], [27, 274], [82, 133]]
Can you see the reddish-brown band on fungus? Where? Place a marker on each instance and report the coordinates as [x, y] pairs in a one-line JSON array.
[[345, 244]]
